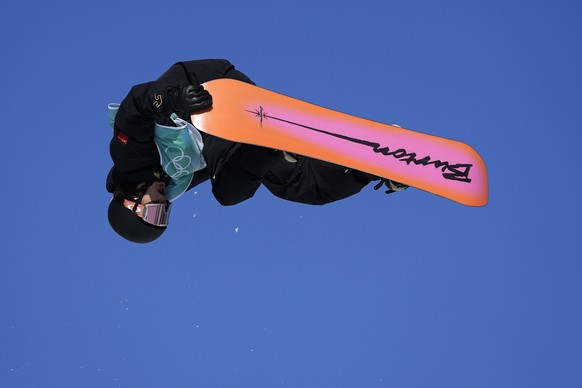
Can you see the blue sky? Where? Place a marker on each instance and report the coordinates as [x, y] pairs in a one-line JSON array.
[[408, 290]]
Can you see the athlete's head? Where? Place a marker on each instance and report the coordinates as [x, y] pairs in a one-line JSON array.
[[139, 213]]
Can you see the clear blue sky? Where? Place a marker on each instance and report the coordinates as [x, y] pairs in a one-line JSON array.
[[409, 290]]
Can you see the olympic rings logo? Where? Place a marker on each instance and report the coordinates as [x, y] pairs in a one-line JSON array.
[[180, 163]]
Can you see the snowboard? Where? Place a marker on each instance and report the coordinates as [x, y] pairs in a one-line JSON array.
[[245, 113]]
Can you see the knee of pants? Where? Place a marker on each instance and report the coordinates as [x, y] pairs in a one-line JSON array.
[[229, 195]]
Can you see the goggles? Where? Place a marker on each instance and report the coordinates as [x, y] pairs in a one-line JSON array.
[[154, 213]]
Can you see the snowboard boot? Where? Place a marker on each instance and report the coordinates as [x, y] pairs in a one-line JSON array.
[[393, 186]]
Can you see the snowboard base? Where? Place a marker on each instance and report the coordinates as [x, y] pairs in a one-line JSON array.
[[246, 113]]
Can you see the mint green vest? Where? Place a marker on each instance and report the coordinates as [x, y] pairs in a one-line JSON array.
[[180, 150]]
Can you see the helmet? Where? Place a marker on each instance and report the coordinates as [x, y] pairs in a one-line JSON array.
[[129, 225]]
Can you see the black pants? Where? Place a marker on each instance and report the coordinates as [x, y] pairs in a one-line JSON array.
[[238, 170], [313, 181]]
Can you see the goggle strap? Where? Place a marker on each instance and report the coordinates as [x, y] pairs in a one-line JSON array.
[[138, 201]]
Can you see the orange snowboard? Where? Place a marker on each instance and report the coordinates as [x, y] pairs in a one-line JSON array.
[[249, 114]]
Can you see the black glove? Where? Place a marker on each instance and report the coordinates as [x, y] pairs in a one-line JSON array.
[[188, 99]]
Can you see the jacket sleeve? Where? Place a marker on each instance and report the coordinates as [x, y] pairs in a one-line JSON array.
[[132, 147], [233, 73]]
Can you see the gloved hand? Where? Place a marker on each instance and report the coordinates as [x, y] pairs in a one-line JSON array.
[[188, 99]]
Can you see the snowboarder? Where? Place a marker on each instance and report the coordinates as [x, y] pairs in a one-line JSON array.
[[140, 180]]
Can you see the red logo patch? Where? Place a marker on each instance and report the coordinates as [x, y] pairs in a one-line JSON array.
[[122, 137]]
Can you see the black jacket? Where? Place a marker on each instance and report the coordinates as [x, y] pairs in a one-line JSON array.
[[236, 170]]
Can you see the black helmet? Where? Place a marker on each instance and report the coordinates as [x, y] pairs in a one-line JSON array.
[[128, 225]]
